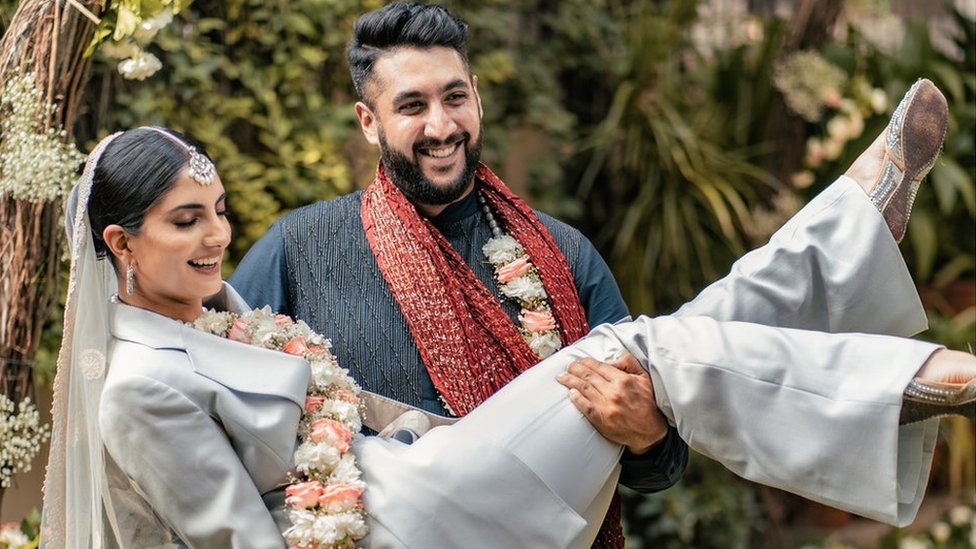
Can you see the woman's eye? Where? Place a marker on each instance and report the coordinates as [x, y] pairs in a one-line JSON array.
[[185, 224]]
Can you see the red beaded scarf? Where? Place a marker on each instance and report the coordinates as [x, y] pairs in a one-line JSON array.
[[470, 347]]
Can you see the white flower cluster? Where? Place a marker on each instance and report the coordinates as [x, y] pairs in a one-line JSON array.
[[308, 527], [21, 436], [502, 249], [140, 66], [11, 537], [809, 82], [137, 63], [543, 344], [35, 164]]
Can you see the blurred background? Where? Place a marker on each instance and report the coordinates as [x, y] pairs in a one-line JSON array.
[[676, 134]]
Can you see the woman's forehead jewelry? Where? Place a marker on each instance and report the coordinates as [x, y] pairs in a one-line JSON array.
[[202, 170]]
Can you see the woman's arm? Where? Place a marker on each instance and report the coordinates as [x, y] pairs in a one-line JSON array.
[[183, 463]]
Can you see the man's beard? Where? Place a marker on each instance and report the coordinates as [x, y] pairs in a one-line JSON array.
[[407, 175]]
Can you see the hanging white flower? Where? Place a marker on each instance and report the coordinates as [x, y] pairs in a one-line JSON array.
[[140, 66], [147, 29]]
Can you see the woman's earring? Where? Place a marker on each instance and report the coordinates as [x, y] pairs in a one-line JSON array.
[[130, 280]]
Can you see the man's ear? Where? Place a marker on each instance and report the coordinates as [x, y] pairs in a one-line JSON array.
[[367, 121], [477, 96], [118, 241]]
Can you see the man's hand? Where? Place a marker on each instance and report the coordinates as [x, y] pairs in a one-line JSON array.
[[618, 399]]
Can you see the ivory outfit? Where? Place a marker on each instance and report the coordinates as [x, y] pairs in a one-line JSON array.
[[204, 427], [812, 413]]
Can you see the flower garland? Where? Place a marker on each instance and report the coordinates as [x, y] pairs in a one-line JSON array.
[[519, 281], [324, 499]]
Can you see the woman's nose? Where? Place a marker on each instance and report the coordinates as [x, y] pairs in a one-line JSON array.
[[220, 235]]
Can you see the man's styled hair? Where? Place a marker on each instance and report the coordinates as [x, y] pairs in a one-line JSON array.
[[401, 24]]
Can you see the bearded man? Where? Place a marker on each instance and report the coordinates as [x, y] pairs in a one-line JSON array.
[[397, 275]]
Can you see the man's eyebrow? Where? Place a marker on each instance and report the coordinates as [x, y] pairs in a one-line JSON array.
[[459, 83], [403, 96], [413, 94]]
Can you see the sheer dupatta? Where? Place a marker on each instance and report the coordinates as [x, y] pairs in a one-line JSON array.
[[88, 502]]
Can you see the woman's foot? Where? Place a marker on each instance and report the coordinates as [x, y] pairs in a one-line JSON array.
[[892, 168], [945, 385]]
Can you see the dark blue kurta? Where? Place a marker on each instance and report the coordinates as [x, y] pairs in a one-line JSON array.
[[315, 264]]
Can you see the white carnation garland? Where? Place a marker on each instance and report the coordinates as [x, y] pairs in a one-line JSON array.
[[519, 281], [324, 498]]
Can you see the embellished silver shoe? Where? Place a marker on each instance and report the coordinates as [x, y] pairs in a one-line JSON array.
[[927, 399], [913, 141]]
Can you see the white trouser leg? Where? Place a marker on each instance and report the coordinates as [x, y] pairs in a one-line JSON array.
[[833, 267], [812, 413]]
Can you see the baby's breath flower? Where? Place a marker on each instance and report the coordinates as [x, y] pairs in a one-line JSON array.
[[21, 436], [35, 164]]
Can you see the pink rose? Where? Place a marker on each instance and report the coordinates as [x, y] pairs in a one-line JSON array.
[[832, 98], [282, 320], [340, 497], [295, 346], [304, 494], [346, 395], [238, 331], [331, 432], [313, 403], [514, 269], [537, 321]]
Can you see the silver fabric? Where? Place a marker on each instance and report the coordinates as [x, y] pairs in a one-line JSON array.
[[203, 426]]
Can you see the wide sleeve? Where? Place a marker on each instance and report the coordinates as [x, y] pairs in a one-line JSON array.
[[261, 278], [179, 458]]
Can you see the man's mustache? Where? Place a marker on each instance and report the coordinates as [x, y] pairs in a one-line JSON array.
[[431, 143]]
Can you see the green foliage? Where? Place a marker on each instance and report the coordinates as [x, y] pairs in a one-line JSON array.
[[710, 508], [663, 184], [265, 87]]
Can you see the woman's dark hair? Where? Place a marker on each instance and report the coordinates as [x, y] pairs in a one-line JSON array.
[[134, 172], [401, 24]]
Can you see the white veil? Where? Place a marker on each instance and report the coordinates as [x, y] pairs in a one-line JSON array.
[[87, 501]]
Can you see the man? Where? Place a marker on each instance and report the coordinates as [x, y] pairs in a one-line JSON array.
[[397, 277]]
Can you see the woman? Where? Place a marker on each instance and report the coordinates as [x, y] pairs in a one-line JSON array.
[[166, 435]]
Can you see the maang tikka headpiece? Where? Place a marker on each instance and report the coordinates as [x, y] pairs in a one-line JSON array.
[[202, 169]]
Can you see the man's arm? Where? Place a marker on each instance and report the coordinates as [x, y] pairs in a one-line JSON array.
[[620, 403], [261, 278]]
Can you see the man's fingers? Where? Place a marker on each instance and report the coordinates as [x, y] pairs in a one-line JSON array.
[[578, 384], [591, 369], [627, 363], [581, 402]]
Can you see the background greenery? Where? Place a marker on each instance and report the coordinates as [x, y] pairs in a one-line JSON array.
[[656, 126]]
